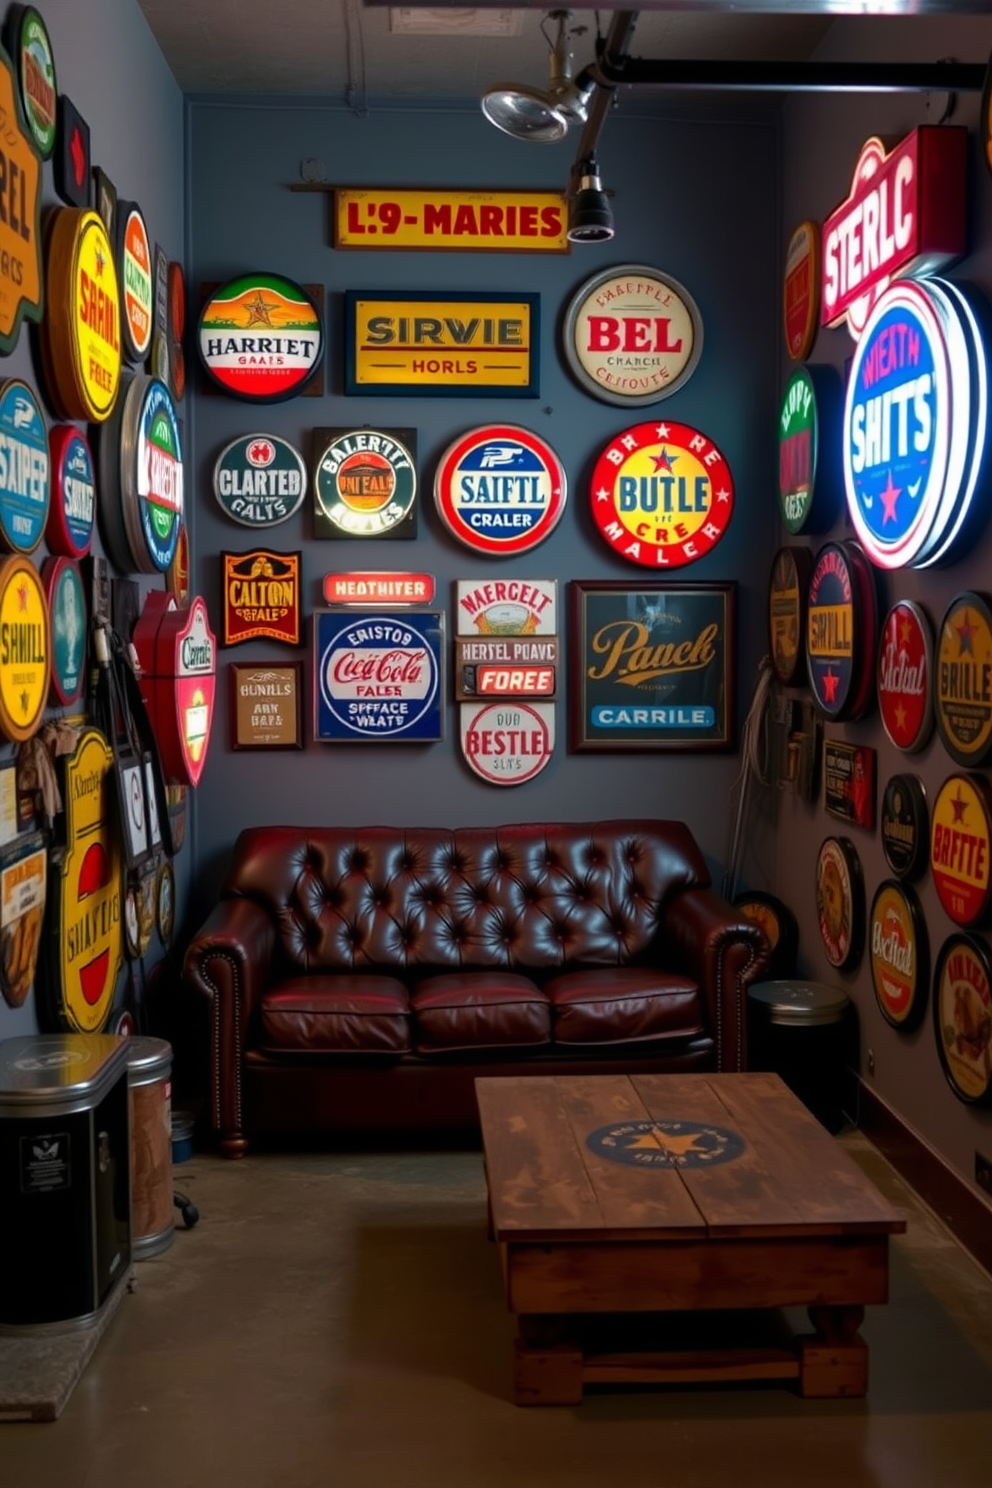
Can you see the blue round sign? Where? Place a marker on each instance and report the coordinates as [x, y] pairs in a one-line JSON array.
[[25, 482], [666, 1144]]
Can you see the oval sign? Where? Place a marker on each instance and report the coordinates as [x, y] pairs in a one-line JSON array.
[[808, 479], [509, 742], [25, 649], [961, 848], [787, 612], [67, 611], [136, 277], [260, 480], [662, 495], [830, 623], [24, 468], [962, 1017], [260, 338], [801, 290], [905, 676], [632, 335], [905, 826], [35, 62], [900, 962], [840, 901], [72, 509], [153, 478], [963, 679], [500, 490]]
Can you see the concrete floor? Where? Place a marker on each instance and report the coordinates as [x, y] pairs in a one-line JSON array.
[[339, 1320]]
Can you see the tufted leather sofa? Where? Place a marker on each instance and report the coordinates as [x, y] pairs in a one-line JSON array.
[[362, 978]]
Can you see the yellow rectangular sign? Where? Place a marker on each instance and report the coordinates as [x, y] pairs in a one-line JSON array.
[[461, 221], [442, 344]]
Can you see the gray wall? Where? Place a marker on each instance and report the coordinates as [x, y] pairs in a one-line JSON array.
[[109, 64], [821, 139]]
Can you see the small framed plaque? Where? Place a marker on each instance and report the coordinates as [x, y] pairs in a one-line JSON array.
[[849, 782], [267, 706]]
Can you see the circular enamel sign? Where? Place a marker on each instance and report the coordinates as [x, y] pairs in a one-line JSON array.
[[72, 509], [962, 1017], [662, 495], [808, 480], [83, 300], [632, 335], [260, 338], [900, 958], [840, 905], [24, 468], [508, 742], [963, 679], [801, 290], [830, 628], [67, 611], [365, 482], [136, 279], [31, 49], [500, 489], [905, 826], [25, 649], [787, 593], [961, 848], [905, 676], [260, 480], [151, 474], [779, 926]]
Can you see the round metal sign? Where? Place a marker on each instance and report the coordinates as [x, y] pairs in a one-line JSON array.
[[365, 482], [260, 338], [787, 593], [138, 321], [67, 611], [151, 474], [508, 742], [963, 679], [831, 617], [662, 495], [632, 335], [72, 509], [900, 957], [905, 676], [31, 50], [260, 480], [840, 906], [25, 483], [801, 290], [808, 478], [81, 332], [25, 649], [962, 1017], [500, 489], [905, 826], [961, 848]]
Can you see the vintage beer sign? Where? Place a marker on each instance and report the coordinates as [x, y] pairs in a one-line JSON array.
[[849, 782], [152, 478], [510, 607], [261, 596], [904, 215], [86, 941], [808, 468], [507, 743], [632, 335], [135, 257], [31, 49], [67, 611], [260, 480], [962, 1017], [81, 336], [905, 676], [365, 483], [25, 482], [266, 707], [961, 848], [500, 490], [460, 221], [371, 587], [378, 675], [260, 337], [72, 507], [518, 666], [442, 345], [787, 593], [23, 872], [25, 649], [20, 221], [662, 495], [801, 291], [905, 826], [831, 614], [177, 652], [840, 907], [963, 679], [900, 958]]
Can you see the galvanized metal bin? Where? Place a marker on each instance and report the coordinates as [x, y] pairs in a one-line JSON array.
[[802, 1031]]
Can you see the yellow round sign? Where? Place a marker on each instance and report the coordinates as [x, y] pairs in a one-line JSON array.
[[25, 648], [90, 937], [96, 318], [961, 848]]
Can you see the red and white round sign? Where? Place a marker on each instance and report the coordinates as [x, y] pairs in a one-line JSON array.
[[662, 495], [508, 742], [500, 489], [905, 676]]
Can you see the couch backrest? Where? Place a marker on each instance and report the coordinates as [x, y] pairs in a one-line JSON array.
[[535, 896]]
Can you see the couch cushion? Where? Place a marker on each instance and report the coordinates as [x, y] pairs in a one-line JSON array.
[[461, 1012], [623, 1005], [343, 1014]]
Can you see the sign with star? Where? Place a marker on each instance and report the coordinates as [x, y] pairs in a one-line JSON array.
[[962, 687], [25, 649], [841, 631], [632, 335], [905, 676], [81, 335], [260, 338], [961, 848], [72, 154], [662, 495], [666, 1144]]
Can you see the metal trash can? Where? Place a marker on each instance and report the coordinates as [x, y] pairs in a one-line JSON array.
[[149, 1079], [65, 1235], [799, 1030]]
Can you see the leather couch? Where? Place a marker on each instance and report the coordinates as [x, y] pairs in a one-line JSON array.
[[360, 979]]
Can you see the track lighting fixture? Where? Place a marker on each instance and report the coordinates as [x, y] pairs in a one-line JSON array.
[[543, 115], [590, 217]]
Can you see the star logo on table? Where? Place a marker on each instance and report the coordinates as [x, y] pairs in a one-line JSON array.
[[665, 1144], [889, 497]]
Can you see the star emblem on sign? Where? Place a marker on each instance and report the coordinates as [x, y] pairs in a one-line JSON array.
[[959, 806], [78, 154], [830, 681], [664, 461], [22, 596], [259, 311], [966, 632], [889, 497]]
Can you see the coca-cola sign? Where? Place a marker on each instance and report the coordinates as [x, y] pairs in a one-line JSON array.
[[905, 676], [378, 675]]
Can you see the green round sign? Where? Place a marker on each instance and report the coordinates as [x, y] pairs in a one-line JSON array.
[[807, 462], [36, 77]]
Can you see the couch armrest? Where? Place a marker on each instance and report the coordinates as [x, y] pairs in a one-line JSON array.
[[709, 940], [229, 962]]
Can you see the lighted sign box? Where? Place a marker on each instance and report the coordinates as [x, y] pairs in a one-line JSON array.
[[462, 221], [442, 345], [378, 676]]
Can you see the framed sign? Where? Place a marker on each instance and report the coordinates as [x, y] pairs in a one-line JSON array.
[[378, 676], [266, 706], [849, 782], [462, 221], [442, 345], [652, 666], [365, 483]]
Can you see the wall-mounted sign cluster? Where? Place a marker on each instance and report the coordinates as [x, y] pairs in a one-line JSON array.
[[632, 335], [260, 337], [809, 475], [842, 625], [262, 597], [494, 221], [378, 676], [365, 483], [260, 480], [500, 490]]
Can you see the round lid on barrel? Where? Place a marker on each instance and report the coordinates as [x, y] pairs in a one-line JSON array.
[[805, 1003]]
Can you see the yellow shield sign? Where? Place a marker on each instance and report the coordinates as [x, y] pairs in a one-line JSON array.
[[20, 218]]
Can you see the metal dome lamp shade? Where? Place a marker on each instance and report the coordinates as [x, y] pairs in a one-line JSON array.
[[542, 115], [590, 217]]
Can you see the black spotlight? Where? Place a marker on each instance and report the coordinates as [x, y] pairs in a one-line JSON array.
[[590, 218]]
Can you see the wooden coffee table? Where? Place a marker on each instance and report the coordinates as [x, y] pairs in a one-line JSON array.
[[715, 1197]]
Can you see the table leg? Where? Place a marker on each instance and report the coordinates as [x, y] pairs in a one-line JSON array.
[[547, 1363], [834, 1360]]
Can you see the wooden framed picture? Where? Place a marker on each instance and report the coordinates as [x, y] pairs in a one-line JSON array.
[[651, 665], [266, 706]]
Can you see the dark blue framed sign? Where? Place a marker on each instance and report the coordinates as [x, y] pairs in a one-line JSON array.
[[378, 675]]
